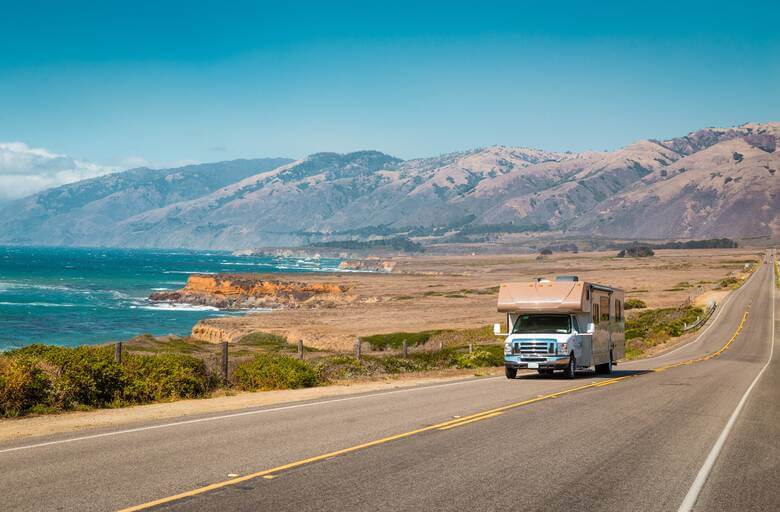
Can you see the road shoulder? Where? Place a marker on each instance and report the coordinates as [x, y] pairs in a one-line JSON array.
[[45, 425]]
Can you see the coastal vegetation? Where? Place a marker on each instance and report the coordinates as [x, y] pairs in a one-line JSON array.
[[41, 379], [634, 304], [651, 327]]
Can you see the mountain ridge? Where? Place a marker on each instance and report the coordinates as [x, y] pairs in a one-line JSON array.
[[710, 182]]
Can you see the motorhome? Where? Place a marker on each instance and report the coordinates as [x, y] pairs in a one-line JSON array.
[[563, 324]]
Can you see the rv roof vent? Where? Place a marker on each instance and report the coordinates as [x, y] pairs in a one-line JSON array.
[[567, 278]]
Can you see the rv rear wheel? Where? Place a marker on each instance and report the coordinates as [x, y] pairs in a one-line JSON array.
[[571, 368], [511, 373], [606, 368]]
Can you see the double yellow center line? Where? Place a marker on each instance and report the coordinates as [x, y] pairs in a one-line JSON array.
[[465, 420]]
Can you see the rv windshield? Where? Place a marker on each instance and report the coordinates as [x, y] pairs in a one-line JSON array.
[[542, 324]]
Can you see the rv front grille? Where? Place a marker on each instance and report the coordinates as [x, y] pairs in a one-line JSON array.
[[534, 347]]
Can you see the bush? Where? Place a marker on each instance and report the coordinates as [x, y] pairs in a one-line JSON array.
[[652, 327], [639, 251], [480, 358], [82, 376], [396, 339], [165, 377], [50, 378], [266, 340], [266, 372], [728, 282], [22, 386], [634, 304]]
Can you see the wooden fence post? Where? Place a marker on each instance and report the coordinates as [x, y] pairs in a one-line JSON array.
[[357, 349], [300, 349], [471, 348], [406, 349], [225, 362], [118, 352]]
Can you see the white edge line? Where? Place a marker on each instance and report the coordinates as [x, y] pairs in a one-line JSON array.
[[701, 478], [323, 402], [239, 414]]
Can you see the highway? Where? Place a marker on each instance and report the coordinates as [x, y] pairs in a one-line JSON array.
[[687, 430]]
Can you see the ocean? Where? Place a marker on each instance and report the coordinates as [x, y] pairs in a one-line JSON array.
[[79, 296]]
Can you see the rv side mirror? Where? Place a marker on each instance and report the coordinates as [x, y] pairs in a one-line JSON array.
[[591, 328], [497, 329]]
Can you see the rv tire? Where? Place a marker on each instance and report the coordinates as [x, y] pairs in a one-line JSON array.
[[571, 367], [606, 368], [511, 373]]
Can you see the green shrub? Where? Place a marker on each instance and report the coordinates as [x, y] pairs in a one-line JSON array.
[[266, 340], [165, 377], [42, 378], [23, 386], [636, 251], [480, 358], [81, 376], [266, 372], [396, 339], [728, 282], [634, 304], [651, 327]]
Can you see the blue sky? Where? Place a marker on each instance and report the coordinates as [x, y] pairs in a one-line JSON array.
[[119, 83]]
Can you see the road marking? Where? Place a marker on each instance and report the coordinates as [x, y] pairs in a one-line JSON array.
[[439, 426], [701, 478], [707, 356], [472, 420], [323, 402], [710, 322], [244, 413]]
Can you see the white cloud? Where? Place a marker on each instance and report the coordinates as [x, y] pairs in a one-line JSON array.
[[25, 170]]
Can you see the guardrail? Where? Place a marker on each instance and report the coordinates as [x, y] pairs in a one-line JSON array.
[[701, 320]]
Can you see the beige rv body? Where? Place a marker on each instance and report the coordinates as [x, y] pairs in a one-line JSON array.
[[596, 336]]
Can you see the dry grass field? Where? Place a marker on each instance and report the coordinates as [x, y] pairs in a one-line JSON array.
[[455, 292]]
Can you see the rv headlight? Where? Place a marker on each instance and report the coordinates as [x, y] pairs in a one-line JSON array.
[[508, 347], [563, 348]]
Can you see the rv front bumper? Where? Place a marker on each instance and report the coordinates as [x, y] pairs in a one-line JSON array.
[[550, 363]]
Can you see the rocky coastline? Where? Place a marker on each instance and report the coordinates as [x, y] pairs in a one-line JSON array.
[[251, 291]]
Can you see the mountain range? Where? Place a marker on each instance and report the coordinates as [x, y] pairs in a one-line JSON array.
[[715, 182]]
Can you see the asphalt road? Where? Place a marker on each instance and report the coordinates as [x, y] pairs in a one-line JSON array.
[[614, 443]]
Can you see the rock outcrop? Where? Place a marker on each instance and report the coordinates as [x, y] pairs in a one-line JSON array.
[[249, 291]]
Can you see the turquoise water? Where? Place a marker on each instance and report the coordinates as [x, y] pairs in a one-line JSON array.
[[77, 296]]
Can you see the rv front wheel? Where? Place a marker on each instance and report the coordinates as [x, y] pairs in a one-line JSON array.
[[571, 368], [511, 373]]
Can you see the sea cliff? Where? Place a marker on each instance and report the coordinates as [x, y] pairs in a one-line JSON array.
[[250, 291]]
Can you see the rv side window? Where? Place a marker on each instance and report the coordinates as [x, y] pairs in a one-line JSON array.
[[604, 308], [596, 314]]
